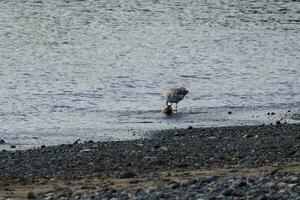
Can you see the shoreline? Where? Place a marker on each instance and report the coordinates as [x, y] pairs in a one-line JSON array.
[[175, 156], [156, 120]]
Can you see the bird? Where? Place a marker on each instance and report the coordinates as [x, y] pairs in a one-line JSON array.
[[176, 94]]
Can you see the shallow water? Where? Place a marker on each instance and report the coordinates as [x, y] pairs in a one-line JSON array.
[[99, 69]]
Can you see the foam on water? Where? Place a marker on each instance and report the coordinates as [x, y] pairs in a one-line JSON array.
[[96, 69]]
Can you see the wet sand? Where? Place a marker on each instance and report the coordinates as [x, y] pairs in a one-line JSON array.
[[224, 162]]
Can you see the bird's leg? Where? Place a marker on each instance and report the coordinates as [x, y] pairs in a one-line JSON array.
[[176, 107]]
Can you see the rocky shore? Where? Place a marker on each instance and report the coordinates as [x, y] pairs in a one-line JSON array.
[[255, 162]]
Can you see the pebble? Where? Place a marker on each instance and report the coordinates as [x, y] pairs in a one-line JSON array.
[[275, 144], [163, 149], [282, 186], [206, 188], [179, 134], [2, 141], [128, 174], [247, 136], [31, 195], [85, 151]]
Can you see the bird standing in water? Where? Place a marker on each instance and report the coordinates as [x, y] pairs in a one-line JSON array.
[[175, 95]]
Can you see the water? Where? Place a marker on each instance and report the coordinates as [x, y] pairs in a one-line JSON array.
[[99, 69]]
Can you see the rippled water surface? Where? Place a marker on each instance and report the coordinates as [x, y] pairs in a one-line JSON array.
[[99, 69]]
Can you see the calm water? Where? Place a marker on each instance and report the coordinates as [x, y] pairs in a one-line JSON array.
[[99, 69]]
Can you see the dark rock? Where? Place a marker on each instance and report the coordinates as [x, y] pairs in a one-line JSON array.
[[13, 146], [2, 141], [262, 197], [182, 165], [163, 149], [157, 162], [229, 113], [190, 127], [156, 146], [227, 192], [31, 195], [128, 175], [247, 136], [179, 134], [174, 185], [272, 113], [77, 141], [88, 187], [278, 122], [43, 147]]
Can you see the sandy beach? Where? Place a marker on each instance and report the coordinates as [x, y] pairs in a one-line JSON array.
[[255, 162]]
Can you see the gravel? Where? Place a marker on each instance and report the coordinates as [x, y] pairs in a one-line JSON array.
[[167, 150], [270, 186]]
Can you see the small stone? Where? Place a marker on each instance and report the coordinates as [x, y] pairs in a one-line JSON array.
[[151, 189], [182, 165], [88, 187], [77, 141], [212, 138], [13, 146], [163, 149], [174, 185], [247, 136], [2, 141], [282, 186], [128, 175], [272, 113], [229, 113], [278, 122], [179, 134], [228, 192], [156, 146], [31, 195], [150, 158], [294, 179], [262, 197], [190, 128], [270, 184], [85, 151], [43, 147]]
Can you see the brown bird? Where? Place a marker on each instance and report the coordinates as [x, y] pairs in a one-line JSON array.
[[175, 95]]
